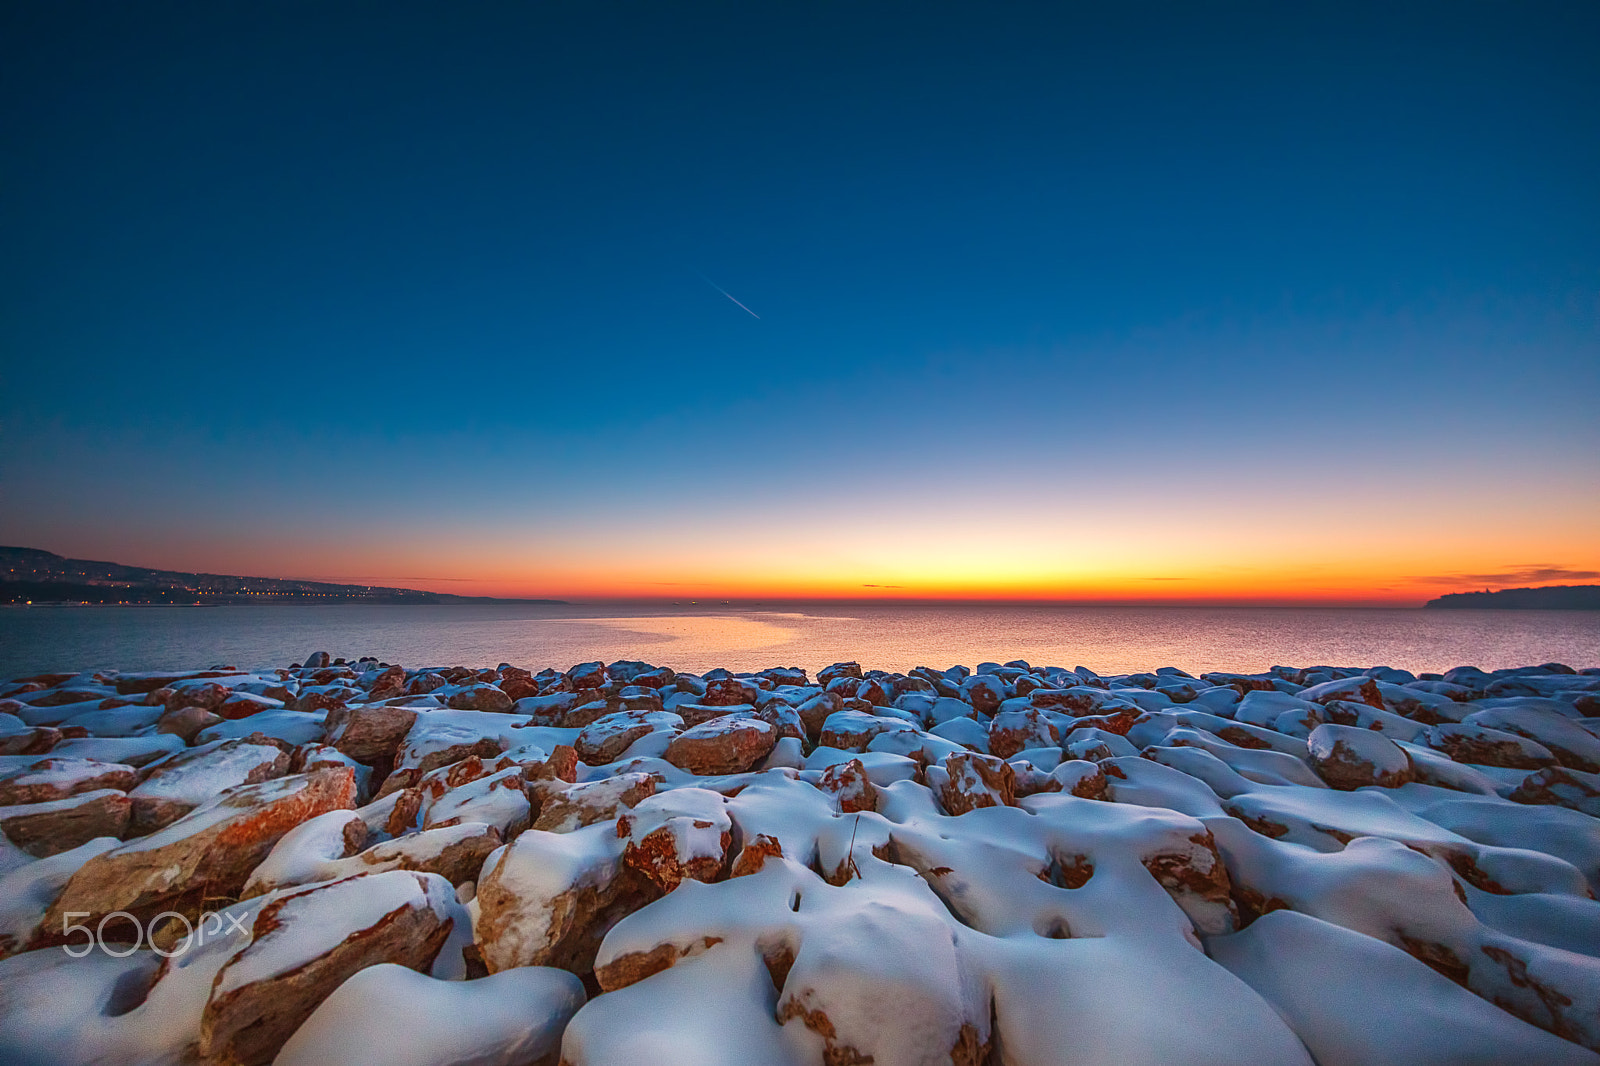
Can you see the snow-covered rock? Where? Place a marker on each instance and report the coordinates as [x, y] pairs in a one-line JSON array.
[[1349, 758]]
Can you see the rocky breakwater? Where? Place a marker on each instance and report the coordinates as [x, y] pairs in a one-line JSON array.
[[357, 862]]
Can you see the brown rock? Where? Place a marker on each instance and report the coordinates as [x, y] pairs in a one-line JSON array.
[[388, 685], [207, 854], [587, 675], [848, 783], [521, 922], [1014, 731], [1482, 746], [1348, 758], [54, 779], [255, 1007], [974, 781], [730, 692], [828, 674], [815, 711], [609, 736], [754, 855], [373, 734], [457, 862], [576, 806], [1197, 881], [722, 746], [482, 697], [635, 966], [482, 748], [187, 722], [44, 829], [34, 741]]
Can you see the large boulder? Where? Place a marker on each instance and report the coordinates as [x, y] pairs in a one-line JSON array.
[[722, 746], [304, 944], [57, 778], [564, 809], [177, 785], [43, 829], [548, 899], [204, 855]]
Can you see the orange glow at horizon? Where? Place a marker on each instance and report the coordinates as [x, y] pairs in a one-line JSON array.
[[1205, 548]]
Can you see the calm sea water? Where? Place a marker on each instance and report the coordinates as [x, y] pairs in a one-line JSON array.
[[1106, 639]]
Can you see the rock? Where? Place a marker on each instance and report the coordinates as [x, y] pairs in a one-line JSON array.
[[389, 1015], [854, 730], [1482, 746], [1562, 787], [178, 784], [486, 698], [208, 853], [972, 780], [207, 695], [58, 777], [731, 692], [828, 674], [550, 899], [499, 799], [576, 806], [848, 783], [678, 835], [244, 704], [815, 710], [610, 735], [1349, 758], [187, 722], [754, 855], [304, 944], [49, 828], [1011, 731], [984, 691], [587, 675], [30, 740], [722, 746]]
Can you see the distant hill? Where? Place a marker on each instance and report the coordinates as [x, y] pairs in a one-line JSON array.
[[41, 577], [1549, 598]]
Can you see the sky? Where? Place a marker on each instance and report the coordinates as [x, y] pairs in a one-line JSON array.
[[1106, 303]]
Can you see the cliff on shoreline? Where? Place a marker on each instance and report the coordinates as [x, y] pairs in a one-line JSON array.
[[1549, 598], [29, 575]]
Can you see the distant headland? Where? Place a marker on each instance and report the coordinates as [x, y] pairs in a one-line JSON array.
[[1549, 598], [29, 575]]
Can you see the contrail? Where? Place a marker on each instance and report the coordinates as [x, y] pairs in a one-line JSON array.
[[728, 294]]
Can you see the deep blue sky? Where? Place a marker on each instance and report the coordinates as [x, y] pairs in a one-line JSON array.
[[277, 276]]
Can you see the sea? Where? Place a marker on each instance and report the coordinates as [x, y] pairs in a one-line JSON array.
[[1109, 640]]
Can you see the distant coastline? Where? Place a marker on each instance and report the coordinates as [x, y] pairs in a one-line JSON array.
[[1549, 598], [32, 577]]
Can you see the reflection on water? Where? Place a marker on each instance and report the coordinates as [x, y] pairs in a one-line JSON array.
[[1107, 639]]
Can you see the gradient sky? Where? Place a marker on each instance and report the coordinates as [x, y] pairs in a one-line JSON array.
[[1140, 302]]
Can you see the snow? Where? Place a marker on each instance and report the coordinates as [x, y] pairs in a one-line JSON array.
[[1288, 957], [388, 1015], [316, 918], [1221, 903]]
